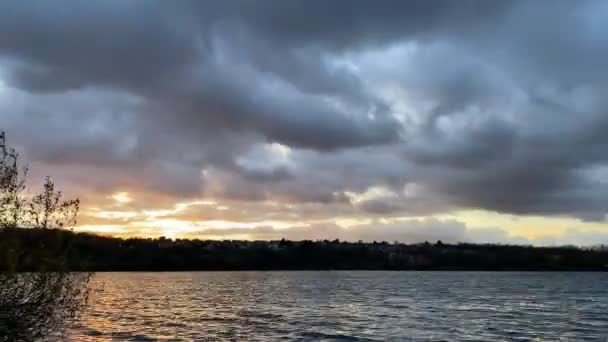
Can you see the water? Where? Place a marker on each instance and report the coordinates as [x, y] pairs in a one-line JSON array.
[[349, 306]]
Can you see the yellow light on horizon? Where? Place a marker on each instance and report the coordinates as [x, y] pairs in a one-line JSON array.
[[122, 197]]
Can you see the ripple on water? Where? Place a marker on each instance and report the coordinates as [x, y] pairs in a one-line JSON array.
[[346, 306]]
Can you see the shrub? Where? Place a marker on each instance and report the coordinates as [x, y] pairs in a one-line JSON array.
[[41, 301]]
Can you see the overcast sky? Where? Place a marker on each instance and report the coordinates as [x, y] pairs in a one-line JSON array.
[[388, 120]]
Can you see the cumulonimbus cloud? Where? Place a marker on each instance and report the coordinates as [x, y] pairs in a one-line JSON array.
[[473, 103]]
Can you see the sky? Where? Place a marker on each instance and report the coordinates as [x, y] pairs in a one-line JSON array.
[[460, 121]]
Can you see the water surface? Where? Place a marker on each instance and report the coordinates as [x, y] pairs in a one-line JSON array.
[[349, 306]]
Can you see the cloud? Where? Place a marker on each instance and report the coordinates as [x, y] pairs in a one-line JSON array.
[[472, 103], [576, 237], [184, 62]]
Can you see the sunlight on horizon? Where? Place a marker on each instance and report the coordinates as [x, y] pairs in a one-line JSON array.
[[169, 222], [122, 197]]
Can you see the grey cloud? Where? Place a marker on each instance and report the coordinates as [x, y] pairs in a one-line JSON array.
[[174, 56], [513, 123], [133, 43], [481, 143], [346, 24], [576, 237], [400, 205], [277, 174], [493, 110]]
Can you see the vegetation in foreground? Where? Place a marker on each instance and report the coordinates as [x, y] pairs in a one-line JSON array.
[[90, 252], [38, 303]]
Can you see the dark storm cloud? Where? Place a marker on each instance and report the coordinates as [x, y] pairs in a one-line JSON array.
[[72, 44], [486, 104], [345, 24], [184, 58]]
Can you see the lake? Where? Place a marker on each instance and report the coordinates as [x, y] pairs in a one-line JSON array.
[[348, 306]]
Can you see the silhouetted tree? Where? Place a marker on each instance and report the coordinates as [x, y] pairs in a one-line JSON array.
[[48, 210], [12, 186], [36, 303]]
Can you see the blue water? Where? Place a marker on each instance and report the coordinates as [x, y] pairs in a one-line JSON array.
[[346, 306]]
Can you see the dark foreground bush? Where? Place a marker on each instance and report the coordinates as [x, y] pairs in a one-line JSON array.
[[35, 305], [40, 302]]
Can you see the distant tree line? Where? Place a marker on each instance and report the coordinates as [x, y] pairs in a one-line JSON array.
[[90, 252]]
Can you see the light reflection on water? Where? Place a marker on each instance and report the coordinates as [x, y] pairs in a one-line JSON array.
[[357, 306]]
